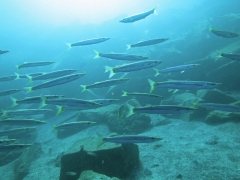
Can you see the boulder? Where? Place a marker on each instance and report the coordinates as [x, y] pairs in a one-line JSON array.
[[215, 96], [210, 96], [113, 160], [183, 99], [115, 117], [219, 117], [90, 175]]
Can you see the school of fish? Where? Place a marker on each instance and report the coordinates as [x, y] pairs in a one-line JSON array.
[[22, 120]]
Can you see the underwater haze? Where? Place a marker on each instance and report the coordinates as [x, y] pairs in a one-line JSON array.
[[147, 87]]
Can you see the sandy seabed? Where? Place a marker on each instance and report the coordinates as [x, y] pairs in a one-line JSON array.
[[189, 150]]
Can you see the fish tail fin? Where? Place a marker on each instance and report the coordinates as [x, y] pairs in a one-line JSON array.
[[84, 87], [155, 10], [60, 110], [4, 113], [17, 76], [219, 53], [100, 140], [128, 46], [69, 46], [210, 28], [97, 54], [157, 72], [124, 93], [152, 85], [30, 78], [29, 89], [17, 67], [130, 110], [43, 102], [14, 101], [110, 69]]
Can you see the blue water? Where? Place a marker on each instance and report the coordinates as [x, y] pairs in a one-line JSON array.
[[29, 39]]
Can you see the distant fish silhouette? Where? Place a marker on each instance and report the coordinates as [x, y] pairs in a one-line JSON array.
[[2, 52], [147, 43], [224, 34], [139, 16], [87, 42]]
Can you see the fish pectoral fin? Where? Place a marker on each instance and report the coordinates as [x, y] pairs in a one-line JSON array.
[[131, 110]]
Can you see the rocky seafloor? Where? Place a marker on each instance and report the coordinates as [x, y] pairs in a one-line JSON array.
[[192, 148]]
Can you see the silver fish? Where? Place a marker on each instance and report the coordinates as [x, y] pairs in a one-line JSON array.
[[224, 34], [34, 64], [16, 130], [105, 102], [138, 17], [129, 139], [88, 42], [136, 66], [232, 56], [34, 99], [181, 68], [32, 75], [73, 125], [12, 147], [3, 52], [71, 173], [221, 107], [51, 75], [22, 122], [141, 94], [106, 83], [9, 92], [62, 109], [55, 82], [4, 142], [159, 109], [119, 56], [72, 102], [182, 85], [10, 78], [25, 112], [147, 43]]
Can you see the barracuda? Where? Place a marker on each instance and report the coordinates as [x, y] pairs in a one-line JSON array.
[[182, 85], [136, 66], [119, 56]]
